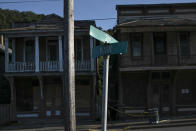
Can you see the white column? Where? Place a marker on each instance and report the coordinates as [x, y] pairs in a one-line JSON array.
[[13, 50], [91, 48], [36, 54], [60, 54], [6, 54]]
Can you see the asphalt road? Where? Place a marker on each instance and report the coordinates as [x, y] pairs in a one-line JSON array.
[[184, 128]]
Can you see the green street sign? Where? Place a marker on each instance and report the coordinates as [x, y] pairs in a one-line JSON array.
[[101, 36], [110, 49]]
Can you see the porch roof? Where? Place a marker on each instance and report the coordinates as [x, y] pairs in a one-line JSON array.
[[52, 23]]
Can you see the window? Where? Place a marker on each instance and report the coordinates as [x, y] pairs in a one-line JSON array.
[[184, 44], [29, 51], [136, 44], [160, 43], [52, 50], [78, 49]]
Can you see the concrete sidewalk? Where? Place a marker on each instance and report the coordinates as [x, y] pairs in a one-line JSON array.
[[57, 124]]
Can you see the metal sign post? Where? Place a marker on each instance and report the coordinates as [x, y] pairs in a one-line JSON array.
[[105, 93], [111, 47]]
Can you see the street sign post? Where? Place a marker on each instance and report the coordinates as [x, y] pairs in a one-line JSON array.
[[112, 46]]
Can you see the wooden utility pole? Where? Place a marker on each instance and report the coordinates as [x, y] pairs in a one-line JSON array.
[[69, 68]]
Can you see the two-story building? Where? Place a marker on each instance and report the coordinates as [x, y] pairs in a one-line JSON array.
[[35, 69], [159, 69], [6, 112]]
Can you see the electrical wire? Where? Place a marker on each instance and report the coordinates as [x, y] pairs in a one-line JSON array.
[[30, 1]]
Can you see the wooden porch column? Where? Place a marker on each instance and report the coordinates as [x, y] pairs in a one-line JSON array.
[[178, 49], [149, 90], [120, 94], [173, 93], [94, 111], [13, 50], [60, 54], [13, 99], [6, 54], [36, 54], [91, 48], [40, 78], [152, 48]]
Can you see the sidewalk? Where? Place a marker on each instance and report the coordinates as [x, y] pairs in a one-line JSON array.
[[57, 124]]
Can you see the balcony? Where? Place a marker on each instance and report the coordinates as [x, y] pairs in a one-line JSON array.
[[47, 66]]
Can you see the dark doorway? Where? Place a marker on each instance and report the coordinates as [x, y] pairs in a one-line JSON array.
[[161, 96]]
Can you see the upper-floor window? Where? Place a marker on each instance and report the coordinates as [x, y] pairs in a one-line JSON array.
[[184, 44], [160, 43], [79, 49], [29, 50], [136, 41], [52, 49]]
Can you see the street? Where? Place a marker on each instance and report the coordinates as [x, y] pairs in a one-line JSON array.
[[184, 128]]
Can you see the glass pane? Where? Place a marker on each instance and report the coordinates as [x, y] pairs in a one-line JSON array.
[[160, 43], [137, 45], [53, 52], [184, 44], [78, 49], [29, 50]]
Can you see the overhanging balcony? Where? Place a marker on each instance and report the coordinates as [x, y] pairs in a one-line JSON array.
[[47, 66]]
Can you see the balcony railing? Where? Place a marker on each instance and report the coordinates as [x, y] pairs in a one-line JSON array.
[[21, 67], [46, 66], [84, 65], [49, 66]]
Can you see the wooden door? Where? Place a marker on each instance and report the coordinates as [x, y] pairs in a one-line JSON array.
[[53, 101], [161, 97]]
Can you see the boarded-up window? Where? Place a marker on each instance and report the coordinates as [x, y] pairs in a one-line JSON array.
[[184, 44]]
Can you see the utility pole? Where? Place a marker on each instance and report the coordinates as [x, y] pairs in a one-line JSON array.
[[69, 67]]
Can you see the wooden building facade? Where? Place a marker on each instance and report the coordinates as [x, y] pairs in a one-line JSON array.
[[35, 69], [159, 69], [6, 108]]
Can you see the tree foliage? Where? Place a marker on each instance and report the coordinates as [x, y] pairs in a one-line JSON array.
[[7, 17]]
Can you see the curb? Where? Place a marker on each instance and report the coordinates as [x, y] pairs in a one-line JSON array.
[[165, 124], [161, 125]]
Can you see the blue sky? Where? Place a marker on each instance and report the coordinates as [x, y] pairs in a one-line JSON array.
[[83, 9]]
